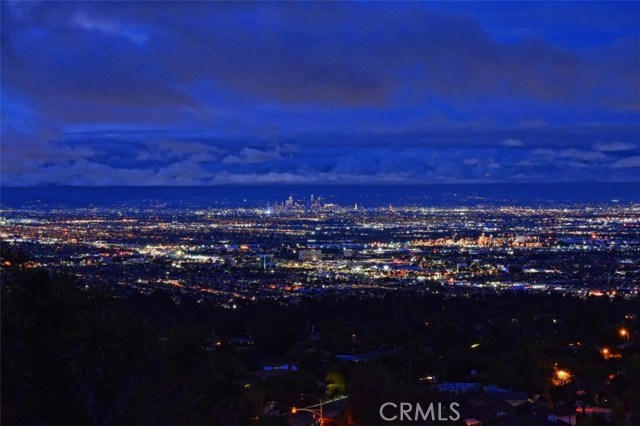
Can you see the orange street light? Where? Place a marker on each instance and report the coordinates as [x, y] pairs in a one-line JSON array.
[[317, 399], [624, 333], [561, 377], [295, 410]]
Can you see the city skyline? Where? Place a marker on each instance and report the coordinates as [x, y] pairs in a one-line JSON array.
[[110, 93]]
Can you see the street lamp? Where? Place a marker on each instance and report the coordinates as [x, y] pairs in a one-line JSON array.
[[624, 333], [294, 410], [561, 377]]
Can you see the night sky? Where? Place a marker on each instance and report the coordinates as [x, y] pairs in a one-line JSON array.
[[139, 93]]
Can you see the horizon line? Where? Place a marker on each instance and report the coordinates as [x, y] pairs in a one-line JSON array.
[[265, 184]]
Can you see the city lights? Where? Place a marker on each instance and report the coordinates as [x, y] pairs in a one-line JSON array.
[[416, 213], [624, 333], [561, 377]]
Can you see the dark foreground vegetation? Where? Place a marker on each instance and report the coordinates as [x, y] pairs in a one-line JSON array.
[[75, 354]]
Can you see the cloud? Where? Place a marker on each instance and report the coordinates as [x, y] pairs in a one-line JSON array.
[[629, 162], [110, 27], [614, 146], [571, 153], [302, 177], [448, 155], [199, 93], [338, 54], [512, 142], [582, 155], [252, 156]]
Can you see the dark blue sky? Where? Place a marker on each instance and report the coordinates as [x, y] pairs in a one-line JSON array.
[[178, 93]]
